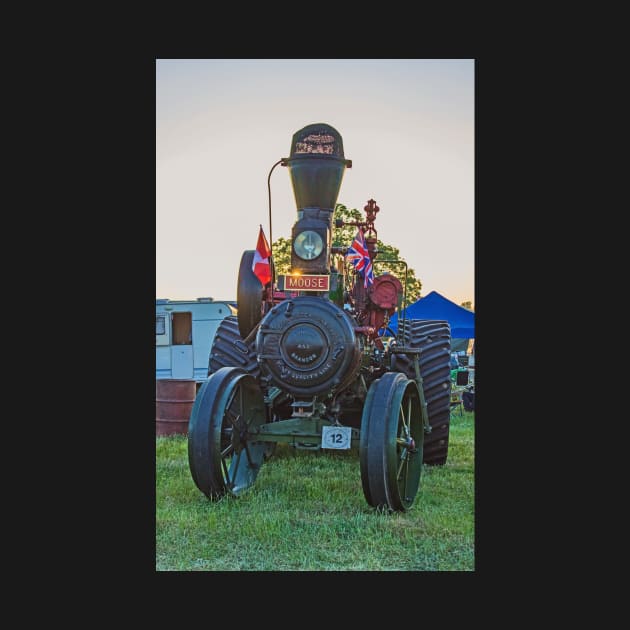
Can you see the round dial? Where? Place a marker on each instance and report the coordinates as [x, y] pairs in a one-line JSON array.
[[308, 245]]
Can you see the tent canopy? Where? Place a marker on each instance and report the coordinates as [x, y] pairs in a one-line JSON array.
[[436, 306]]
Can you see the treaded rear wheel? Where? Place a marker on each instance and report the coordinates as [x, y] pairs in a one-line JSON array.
[[433, 337], [249, 295], [229, 350]]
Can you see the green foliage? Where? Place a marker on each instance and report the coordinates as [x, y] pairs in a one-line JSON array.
[[282, 255], [306, 512], [342, 237]]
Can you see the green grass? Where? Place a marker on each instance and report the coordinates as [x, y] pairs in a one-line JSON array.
[[306, 512]]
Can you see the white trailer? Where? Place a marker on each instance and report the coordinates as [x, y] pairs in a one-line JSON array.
[[184, 331]]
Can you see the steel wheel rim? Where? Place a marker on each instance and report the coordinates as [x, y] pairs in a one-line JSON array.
[[222, 456], [407, 443], [391, 445], [239, 457]]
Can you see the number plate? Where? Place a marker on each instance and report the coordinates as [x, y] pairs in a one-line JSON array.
[[336, 437]]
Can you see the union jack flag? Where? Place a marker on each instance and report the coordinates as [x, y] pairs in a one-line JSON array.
[[359, 256]]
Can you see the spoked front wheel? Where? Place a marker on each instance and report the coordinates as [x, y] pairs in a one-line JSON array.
[[391, 444], [223, 458]]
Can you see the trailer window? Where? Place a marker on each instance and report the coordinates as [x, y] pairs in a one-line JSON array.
[[182, 329], [160, 325]]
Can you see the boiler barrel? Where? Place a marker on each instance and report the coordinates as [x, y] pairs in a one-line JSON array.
[[174, 400]]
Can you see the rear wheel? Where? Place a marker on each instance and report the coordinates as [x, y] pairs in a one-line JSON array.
[[229, 350], [390, 450], [249, 295], [433, 337]]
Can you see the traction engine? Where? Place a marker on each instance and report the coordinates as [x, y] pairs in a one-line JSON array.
[[309, 360]]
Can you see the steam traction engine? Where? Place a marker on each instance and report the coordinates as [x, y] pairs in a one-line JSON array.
[[304, 361]]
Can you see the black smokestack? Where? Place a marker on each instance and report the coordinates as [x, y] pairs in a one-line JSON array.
[[317, 165]]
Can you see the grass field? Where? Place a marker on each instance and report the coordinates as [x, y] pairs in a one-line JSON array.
[[306, 512]]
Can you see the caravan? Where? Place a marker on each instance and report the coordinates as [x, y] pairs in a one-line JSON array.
[[184, 330]]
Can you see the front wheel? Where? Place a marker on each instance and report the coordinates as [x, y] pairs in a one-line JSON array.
[[390, 449], [222, 456]]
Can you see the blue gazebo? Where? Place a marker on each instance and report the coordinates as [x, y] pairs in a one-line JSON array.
[[436, 306]]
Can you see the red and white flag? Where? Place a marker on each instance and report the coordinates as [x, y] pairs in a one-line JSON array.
[[261, 265]]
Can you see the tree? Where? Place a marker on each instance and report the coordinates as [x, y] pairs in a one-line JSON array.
[[342, 237], [282, 255]]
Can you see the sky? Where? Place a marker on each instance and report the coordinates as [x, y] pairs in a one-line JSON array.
[[221, 124]]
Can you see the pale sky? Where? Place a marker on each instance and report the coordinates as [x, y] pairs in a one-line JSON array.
[[221, 124]]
